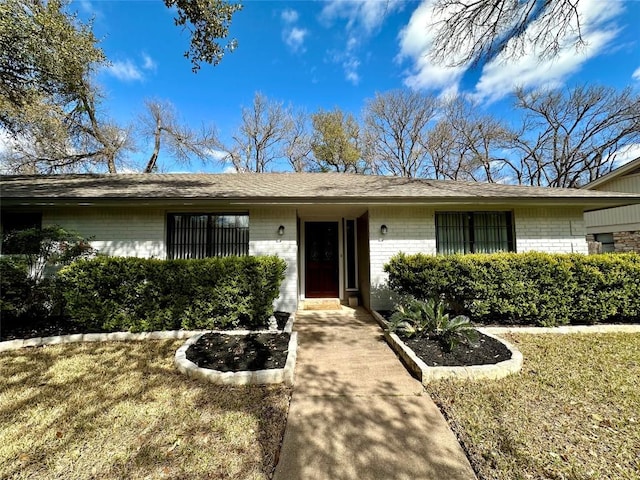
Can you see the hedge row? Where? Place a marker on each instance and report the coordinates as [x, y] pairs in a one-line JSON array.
[[20, 296], [136, 294], [529, 288]]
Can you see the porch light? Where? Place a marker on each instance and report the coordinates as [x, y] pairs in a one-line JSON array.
[[281, 230], [383, 229]]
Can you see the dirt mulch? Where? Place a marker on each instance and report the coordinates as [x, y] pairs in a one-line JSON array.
[[51, 328], [61, 326], [233, 353], [484, 351]]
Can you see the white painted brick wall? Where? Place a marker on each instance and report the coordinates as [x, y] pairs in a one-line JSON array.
[[410, 230], [550, 229], [139, 232], [125, 232], [264, 240]]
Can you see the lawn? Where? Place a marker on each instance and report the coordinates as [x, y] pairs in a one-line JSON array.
[[572, 413], [121, 410]]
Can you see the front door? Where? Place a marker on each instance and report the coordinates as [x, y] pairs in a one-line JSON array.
[[322, 266]]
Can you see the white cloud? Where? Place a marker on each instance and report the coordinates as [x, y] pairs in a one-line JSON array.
[[126, 71], [361, 19], [292, 35], [348, 59], [148, 63], [5, 141], [130, 71], [416, 40], [502, 75], [367, 15], [218, 155], [627, 153], [636, 75], [87, 6], [350, 67], [294, 38], [289, 16]]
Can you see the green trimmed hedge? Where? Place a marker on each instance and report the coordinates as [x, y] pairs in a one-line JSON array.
[[530, 288], [137, 294]]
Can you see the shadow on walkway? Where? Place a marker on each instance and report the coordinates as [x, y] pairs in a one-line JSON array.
[[357, 414]]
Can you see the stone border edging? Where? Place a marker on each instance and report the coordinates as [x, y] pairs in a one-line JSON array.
[[9, 345], [274, 375], [427, 374], [565, 329], [96, 337]]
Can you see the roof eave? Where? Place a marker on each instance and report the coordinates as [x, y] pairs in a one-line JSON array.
[[588, 203], [618, 172]]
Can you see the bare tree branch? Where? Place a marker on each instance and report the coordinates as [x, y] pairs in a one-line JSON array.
[[395, 129], [469, 31], [160, 123], [569, 138]]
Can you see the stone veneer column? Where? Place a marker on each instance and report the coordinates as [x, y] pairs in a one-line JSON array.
[[626, 241]]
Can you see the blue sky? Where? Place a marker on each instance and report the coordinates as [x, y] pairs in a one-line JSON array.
[[322, 54]]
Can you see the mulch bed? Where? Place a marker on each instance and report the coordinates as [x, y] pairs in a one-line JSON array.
[[233, 353], [60, 326], [484, 351], [51, 328]]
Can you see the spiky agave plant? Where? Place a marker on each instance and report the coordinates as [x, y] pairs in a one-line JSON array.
[[417, 318]]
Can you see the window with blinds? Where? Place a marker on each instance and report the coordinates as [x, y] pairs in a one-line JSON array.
[[474, 232], [201, 235]]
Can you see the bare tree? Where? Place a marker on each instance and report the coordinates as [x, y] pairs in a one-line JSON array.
[[335, 142], [395, 130], [467, 145], [71, 137], [260, 138], [472, 30], [297, 142], [569, 138], [160, 123], [442, 144]]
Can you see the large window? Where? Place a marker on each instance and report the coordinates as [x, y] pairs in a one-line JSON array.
[[201, 235], [474, 232]]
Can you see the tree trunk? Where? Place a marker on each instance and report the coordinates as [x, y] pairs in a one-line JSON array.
[[151, 164]]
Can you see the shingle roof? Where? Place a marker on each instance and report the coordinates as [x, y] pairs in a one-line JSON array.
[[278, 187]]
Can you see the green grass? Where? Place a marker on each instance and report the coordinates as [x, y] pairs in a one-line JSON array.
[[572, 413], [121, 410]]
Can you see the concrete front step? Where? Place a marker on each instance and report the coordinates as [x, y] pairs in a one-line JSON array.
[[321, 304]]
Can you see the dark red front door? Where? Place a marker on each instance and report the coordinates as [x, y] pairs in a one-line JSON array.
[[321, 260]]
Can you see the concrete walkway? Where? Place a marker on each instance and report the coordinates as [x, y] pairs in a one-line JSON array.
[[356, 414]]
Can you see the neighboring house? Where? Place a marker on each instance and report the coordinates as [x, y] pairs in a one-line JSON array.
[[616, 229], [335, 231]]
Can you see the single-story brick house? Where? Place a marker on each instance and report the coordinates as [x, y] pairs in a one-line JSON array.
[[335, 231], [616, 229]]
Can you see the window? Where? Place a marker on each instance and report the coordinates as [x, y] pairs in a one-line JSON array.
[[606, 241], [474, 232], [201, 235], [16, 221], [350, 249]]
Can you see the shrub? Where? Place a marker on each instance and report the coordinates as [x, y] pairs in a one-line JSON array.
[[529, 288], [428, 319], [137, 294], [16, 286], [27, 295], [46, 248]]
